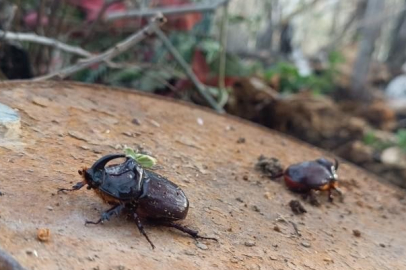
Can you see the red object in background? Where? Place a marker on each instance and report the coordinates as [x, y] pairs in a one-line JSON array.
[[200, 66], [30, 20], [202, 72], [91, 8]]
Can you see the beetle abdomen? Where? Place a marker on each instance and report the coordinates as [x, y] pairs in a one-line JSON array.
[[294, 185], [163, 199]]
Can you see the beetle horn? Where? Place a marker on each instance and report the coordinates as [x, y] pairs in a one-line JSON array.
[[336, 164], [101, 163]]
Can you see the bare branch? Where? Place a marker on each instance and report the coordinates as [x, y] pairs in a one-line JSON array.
[[10, 17], [223, 43], [30, 37], [110, 53], [201, 88], [168, 11], [377, 19], [366, 47]]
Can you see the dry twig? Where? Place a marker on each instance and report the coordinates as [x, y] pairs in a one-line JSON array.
[[202, 89], [108, 54], [31, 37], [165, 11], [222, 64]]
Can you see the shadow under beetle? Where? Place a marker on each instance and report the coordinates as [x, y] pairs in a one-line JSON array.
[[127, 186], [319, 174]]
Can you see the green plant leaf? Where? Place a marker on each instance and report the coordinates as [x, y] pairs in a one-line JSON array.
[[145, 161]]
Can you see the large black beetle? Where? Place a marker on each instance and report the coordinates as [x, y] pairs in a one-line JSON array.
[[143, 193]]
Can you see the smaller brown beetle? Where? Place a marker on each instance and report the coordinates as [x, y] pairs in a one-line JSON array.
[[143, 193], [319, 174]]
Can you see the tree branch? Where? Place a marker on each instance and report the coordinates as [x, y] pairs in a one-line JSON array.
[[110, 53], [201, 88], [31, 37], [166, 11]]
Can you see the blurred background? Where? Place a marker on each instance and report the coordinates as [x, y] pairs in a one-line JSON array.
[[329, 72]]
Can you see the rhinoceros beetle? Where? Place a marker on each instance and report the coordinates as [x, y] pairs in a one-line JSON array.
[[319, 174], [142, 193]]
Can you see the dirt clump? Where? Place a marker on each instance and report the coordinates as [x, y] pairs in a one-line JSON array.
[[270, 167], [297, 207]]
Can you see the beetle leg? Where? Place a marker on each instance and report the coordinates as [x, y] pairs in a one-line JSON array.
[[141, 229], [330, 196], [340, 192], [193, 233], [313, 198], [77, 186], [108, 214]]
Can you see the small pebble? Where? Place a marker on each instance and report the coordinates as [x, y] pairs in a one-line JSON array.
[[268, 195], [249, 243], [356, 233], [276, 228], [241, 140], [200, 121], [190, 252], [234, 260], [32, 252], [255, 208], [201, 246], [50, 208], [328, 260], [155, 123], [273, 258], [382, 245], [306, 244], [135, 121]]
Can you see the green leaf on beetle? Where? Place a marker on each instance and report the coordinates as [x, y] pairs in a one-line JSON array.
[[142, 159]]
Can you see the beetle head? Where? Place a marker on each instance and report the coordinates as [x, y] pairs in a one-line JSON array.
[[330, 166], [95, 175]]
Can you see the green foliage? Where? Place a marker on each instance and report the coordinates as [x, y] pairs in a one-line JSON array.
[[211, 48], [372, 140], [401, 138], [292, 82], [378, 144], [142, 159]]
